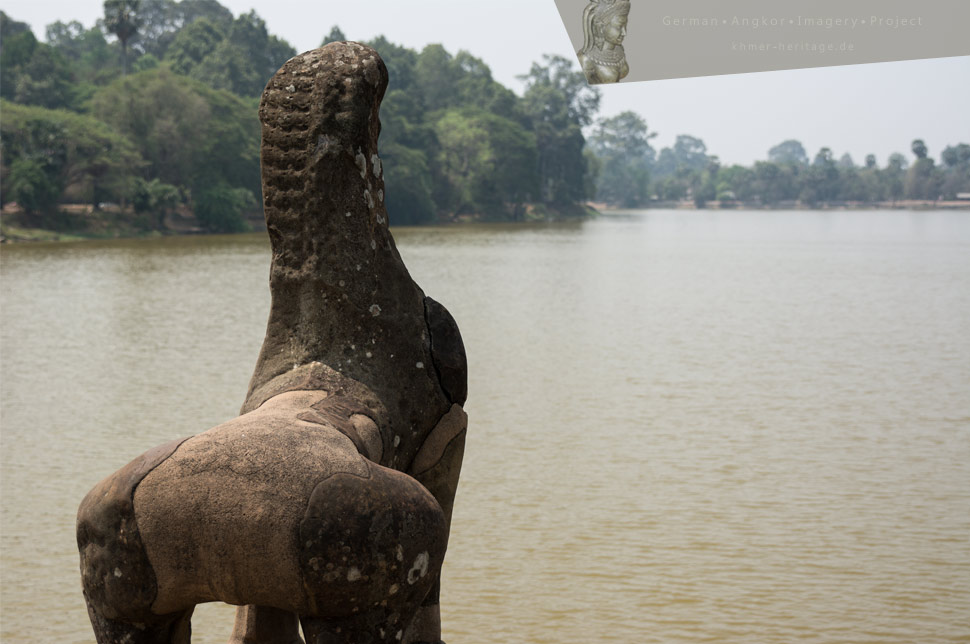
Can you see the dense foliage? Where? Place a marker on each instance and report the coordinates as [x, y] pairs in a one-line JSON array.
[[153, 110]]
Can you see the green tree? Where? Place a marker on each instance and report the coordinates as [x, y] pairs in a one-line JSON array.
[[919, 148], [245, 60], [704, 183], [91, 58], [17, 46], [435, 76], [923, 180], [892, 176], [121, 18], [407, 184], [192, 44], [820, 182], [401, 63], [622, 144], [488, 160], [156, 198], [219, 208], [954, 156], [790, 151], [871, 178], [777, 182], [45, 80], [188, 11], [10, 28], [190, 135], [559, 103], [159, 21], [74, 151], [956, 162], [475, 87], [335, 35], [688, 155], [32, 187], [736, 183]]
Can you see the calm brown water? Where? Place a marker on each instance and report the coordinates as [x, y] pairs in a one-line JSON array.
[[684, 427]]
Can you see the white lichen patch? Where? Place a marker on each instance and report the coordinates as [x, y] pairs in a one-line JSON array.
[[376, 162], [393, 589], [374, 310], [323, 142], [361, 162], [353, 574], [369, 354], [419, 568], [118, 572], [419, 365], [397, 441], [291, 88], [373, 245], [400, 553], [380, 196], [346, 214], [368, 199]]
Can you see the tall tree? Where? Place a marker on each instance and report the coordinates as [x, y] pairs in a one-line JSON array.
[[956, 161], [919, 148], [245, 59], [335, 35], [622, 144], [121, 18], [923, 180], [559, 102], [488, 161], [17, 46], [790, 151], [159, 21], [192, 44]]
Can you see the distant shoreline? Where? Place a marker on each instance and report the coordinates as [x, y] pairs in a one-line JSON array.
[[685, 204], [177, 226]]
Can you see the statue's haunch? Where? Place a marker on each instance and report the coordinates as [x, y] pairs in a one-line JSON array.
[[327, 503]]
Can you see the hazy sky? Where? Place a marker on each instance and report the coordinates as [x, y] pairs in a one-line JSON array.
[[878, 108]]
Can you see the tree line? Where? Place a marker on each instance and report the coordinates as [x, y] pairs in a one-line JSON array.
[[154, 110], [630, 173]]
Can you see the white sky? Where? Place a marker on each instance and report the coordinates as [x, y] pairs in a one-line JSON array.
[[878, 108]]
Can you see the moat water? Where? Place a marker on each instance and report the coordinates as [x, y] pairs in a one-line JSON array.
[[731, 427]]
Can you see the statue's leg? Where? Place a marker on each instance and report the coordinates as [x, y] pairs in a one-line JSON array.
[[175, 628], [117, 578], [437, 467], [372, 550], [265, 625]]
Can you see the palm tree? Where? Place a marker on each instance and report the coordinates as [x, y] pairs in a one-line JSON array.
[[121, 19]]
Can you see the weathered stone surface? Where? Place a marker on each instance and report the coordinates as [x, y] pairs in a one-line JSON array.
[[328, 500], [117, 577], [341, 294]]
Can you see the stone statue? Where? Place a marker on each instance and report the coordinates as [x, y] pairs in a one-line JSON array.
[[327, 503], [604, 27]]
